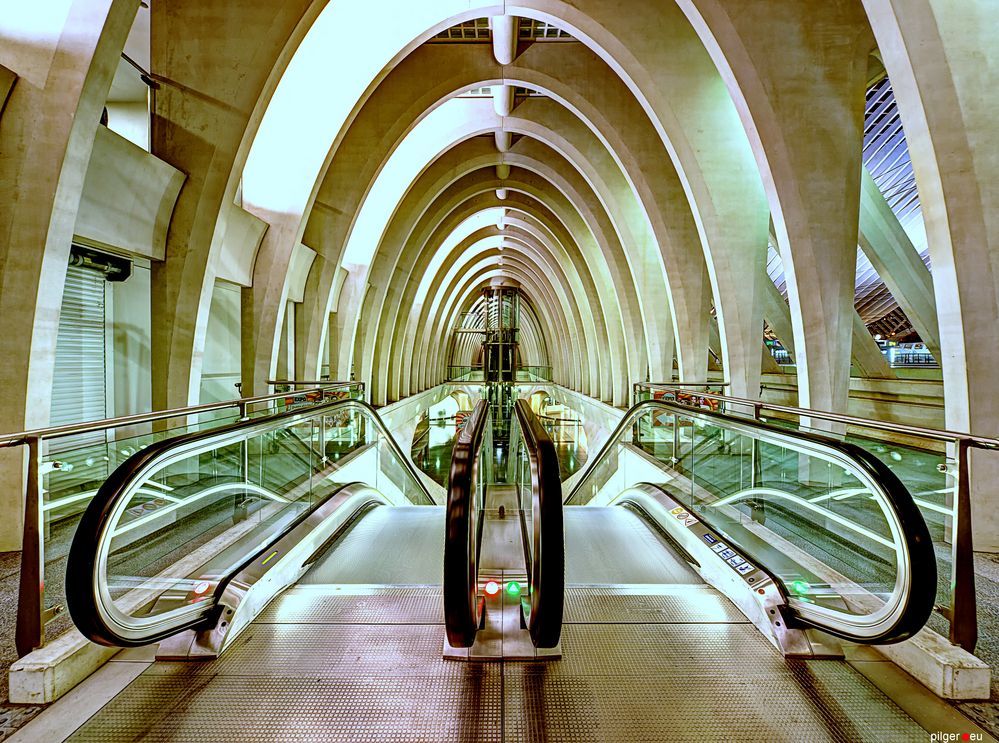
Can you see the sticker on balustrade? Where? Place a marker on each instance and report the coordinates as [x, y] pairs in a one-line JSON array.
[[681, 515]]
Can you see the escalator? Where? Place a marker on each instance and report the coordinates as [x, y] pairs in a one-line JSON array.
[[695, 576], [504, 549], [800, 531], [272, 510], [257, 505]]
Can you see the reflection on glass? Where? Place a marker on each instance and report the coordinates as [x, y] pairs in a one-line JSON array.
[[195, 512], [811, 514]]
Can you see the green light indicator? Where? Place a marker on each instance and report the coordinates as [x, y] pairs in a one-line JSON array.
[[513, 588], [800, 586]]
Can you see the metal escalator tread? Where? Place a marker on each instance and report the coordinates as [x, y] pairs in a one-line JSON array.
[[619, 682], [673, 605], [168, 709], [391, 545], [346, 606], [612, 545], [813, 701]]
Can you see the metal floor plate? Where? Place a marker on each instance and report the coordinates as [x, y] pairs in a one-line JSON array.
[[688, 604], [815, 701], [359, 663], [162, 709], [391, 606], [327, 651]]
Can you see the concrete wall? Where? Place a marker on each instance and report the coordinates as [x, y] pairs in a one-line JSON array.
[[222, 347], [128, 197], [131, 329]]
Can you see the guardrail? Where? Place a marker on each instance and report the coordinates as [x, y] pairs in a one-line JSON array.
[[962, 613], [32, 614]]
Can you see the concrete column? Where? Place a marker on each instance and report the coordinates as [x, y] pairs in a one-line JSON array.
[[894, 257], [207, 109], [866, 353], [503, 99], [932, 50], [503, 141], [778, 316], [799, 89], [64, 53], [505, 29]]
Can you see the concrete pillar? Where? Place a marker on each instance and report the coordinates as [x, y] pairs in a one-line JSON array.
[[932, 50], [894, 257], [503, 99], [203, 122], [799, 89], [505, 30], [65, 54], [778, 316], [503, 141], [866, 354]]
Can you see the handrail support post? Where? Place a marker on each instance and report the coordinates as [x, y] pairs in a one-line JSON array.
[[30, 631], [963, 611]]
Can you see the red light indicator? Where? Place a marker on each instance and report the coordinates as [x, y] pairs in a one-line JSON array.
[[202, 587], [492, 588]]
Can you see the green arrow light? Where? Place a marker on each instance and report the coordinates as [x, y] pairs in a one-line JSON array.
[[800, 586], [513, 588]]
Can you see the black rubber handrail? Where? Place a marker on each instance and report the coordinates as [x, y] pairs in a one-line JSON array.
[[463, 533], [916, 604], [546, 561], [81, 567]]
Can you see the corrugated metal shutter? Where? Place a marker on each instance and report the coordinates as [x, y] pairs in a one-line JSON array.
[[79, 388]]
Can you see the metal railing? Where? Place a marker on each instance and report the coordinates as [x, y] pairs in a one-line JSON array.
[[962, 613], [32, 614], [521, 373], [463, 373]]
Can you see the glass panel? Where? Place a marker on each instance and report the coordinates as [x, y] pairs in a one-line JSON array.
[[71, 475], [196, 512], [930, 476], [819, 521]]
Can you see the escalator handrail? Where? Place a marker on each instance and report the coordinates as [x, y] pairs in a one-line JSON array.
[[915, 597], [463, 533], [546, 571], [90, 619], [83, 597]]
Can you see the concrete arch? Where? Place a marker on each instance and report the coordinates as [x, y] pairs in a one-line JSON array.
[[932, 52], [568, 183], [532, 71], [563, 210], [600, 33], [481, 268], [541, 262], [549, 291], [49, 124], [555, 239], [808, 149]]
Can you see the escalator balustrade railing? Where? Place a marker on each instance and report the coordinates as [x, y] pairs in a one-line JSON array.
[[234, 504], [467, 480], [534, 458], [831, 524]]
